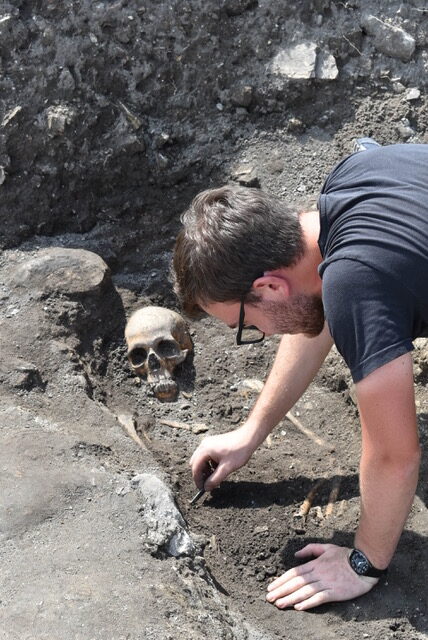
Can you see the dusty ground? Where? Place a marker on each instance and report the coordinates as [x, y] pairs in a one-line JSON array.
[[113, 116]]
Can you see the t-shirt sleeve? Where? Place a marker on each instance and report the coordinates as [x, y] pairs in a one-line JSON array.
[[369, 317]]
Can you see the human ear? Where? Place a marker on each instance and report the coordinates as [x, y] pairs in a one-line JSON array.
[[272, 287]]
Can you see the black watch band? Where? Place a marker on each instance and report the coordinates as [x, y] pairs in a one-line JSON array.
[[362, 565]]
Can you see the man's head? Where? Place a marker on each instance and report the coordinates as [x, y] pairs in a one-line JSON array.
[[231, 236]]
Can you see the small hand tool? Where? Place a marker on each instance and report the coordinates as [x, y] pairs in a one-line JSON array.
[[197, 496], [212, 465]]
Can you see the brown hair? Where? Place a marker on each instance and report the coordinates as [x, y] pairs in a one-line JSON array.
[[230, 237]]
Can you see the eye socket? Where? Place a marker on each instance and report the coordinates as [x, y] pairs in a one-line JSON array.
[[167, 348], [138, 357]]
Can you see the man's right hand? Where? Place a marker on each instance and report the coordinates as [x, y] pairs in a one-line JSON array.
[[227, 452]]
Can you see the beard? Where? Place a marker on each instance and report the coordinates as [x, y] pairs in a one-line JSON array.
[[299, 314]]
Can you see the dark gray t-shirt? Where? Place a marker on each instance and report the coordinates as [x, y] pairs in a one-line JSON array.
[[374, 242]]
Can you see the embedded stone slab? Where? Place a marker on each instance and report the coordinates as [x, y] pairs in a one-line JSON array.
[[390, 40], [164, 530]]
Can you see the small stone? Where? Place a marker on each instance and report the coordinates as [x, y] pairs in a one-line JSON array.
[[326, 67], [122, 491], [162, 161], [199, 427], [242, 96], [404, 129], [295, 124], [253, 384], [219, 106], [162, 139], [246, 175], [398, 87], [58, 117], [261, 529], [413, 94]]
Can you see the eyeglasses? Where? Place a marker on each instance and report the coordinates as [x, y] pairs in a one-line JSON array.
[[250, 334]]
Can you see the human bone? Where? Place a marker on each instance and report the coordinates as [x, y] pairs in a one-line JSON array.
[[158, 340]]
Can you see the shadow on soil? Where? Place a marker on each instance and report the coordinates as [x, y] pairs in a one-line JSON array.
[[248, 495]]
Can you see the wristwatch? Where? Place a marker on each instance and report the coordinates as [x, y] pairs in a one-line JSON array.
[[362, 565]]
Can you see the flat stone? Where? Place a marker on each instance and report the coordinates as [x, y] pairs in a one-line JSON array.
[[58, 270], [296, 63], [246, 175], [390, 40], [19, 374]]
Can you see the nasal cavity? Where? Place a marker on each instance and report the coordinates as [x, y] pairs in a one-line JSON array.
[[153, 362]]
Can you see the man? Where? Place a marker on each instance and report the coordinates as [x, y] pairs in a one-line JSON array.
[[362, 260]]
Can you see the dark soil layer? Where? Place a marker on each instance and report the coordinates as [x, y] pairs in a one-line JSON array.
[[249, 526]]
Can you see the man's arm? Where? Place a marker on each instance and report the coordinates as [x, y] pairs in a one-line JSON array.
[[388, 477], [390, 457], [296, 363]]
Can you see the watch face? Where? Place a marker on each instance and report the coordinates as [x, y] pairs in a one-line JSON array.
[[359, 562]]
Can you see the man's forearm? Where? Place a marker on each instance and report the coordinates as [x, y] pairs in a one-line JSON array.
[[387, 491], [297, 361]]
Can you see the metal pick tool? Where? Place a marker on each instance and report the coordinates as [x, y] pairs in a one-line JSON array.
[[201, 492], [197, 496]]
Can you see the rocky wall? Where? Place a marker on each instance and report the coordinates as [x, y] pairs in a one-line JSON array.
[[118, 111]]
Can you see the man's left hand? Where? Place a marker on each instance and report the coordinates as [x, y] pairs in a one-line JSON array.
[[327, 578]]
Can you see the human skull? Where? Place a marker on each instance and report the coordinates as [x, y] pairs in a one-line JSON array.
[[158, 340]]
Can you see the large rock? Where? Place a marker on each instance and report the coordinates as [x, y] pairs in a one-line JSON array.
[[296, 63], [302, 62], [390, 40], [65, 271]]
